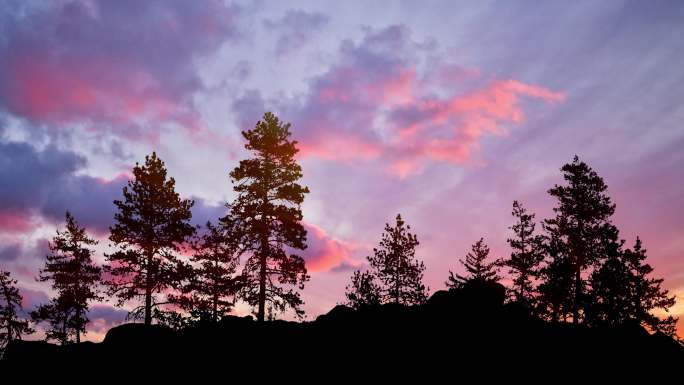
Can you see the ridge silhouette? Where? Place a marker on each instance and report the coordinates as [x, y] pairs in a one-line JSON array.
[[473, 319]]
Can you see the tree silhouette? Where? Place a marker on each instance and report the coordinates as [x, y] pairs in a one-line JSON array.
[[212, 289], [556, 290], [527, 254], [268, 207], [151, 224], [477, 269], [61, 317], [623, 292], [608, 300], [394, 263], [582, 223], [363, 290], [11, 326], [648, 294], [74, 277]]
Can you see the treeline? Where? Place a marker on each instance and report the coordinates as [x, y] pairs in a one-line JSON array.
[[176, 272], [577, 268]]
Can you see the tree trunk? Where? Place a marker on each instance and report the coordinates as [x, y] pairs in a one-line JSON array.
[[578, 296], [79, 312], [78, 328], [65, 336], [396, 281], [262, 280], [9, 314], [523, 272], [148, 291], [215, 292], [215, 307], [579, 261], [262, 289], [264, 258]]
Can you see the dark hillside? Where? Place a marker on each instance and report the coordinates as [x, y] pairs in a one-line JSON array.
[[471, 324]]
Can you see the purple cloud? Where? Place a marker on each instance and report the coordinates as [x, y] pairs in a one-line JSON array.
[[295, 29], [104, 317], [10, 252], [203, 212], [31, 299], [376, 102], [46, 182], [119, 65]]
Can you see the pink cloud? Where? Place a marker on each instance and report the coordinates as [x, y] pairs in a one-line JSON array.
[[26, 272], [30, 299], [15, 222], [450, 129], [116, 66], [325, 253], [56, 93], [419, 129], [339, 148], [377, 103], [396, 89]]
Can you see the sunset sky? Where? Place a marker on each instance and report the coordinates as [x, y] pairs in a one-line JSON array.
[[444, 112]]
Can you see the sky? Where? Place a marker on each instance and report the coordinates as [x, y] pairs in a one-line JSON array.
[[443, 111]]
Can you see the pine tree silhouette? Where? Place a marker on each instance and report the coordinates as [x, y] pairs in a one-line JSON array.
[[395, 265], [151, 225], [648, 294], [527, 254], [582, 224], [477, 269], [12, 327], [59, 314], [210, 293], [622, 292], [363, 290], [74, 277], [608, 297], [268, 207], [556, 290]]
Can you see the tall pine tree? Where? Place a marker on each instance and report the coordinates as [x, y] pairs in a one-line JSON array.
[[151, 225], [477, 267], [268, 207], [582, 224], [527, 254], [12, 327], [74, 277], [394, 263]]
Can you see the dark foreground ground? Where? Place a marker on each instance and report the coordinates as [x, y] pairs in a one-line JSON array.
[[452, 328]]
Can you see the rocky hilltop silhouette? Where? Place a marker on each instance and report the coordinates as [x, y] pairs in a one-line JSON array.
[[470, 323]]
